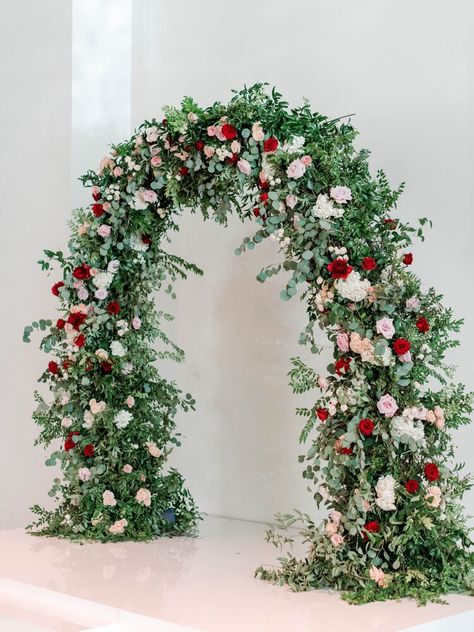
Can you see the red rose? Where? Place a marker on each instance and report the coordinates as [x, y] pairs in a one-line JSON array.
[[113, 308], [76, 319], [96, 196], [369, 263], [231, 160], [390, 223], [80, 340], [98, 210], [183, 171], [69, 443], [106, 367], [270, 144], [263, 184], [339, 268], [55, 288], [199, 145], [371, 527], [422, 325], [408, 259], [82, 272], [264, 197], [60, 323], [146, 239], [342, 365], [89, 450], [431, 472], [256, 212], [345, 451], [366, 426], [401, 346], [53, 367], [412, 486], [66, 364], [322, 413], [229, 131]]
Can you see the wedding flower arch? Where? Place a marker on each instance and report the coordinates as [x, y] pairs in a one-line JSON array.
[[380, 451]]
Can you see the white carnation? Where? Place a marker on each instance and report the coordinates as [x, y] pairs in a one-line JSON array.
[[324, 208], [122, 419], [385, 489], [117, 349], [102, 280], [408, 427], [353, 288]]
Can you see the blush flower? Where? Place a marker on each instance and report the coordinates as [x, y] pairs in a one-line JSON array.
[[341, 195], [387, 406], [384, 326], [143, 497]]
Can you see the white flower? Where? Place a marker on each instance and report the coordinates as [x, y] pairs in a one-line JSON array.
[[127, 368], [97, 407], [122, 419], [108, 498], [66, 422], [324, 208], [88, 419], [117, 349], [102, 280], [385, 489], [353, 288], [294, 145], [403, 428], [84, 474], [122, 327], [139, 203], [136, 243], [113, 266]]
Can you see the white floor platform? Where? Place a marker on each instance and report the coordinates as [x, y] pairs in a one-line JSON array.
[[184, 584]]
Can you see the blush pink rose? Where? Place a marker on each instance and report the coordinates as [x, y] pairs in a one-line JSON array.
[[127, 468], [337, 539], [156, 161], [104, 230], [149, 195], [211, 130], [341, 195], [342, 341], [291, 200], [387, 405], [412, 304], [385, 327], [296, 169], [136, 322], [244, 167], [118, 171], [143, 496], [306, 160], [405, 357], [209, 151]]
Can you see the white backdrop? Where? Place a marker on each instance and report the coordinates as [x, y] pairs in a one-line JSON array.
[[404, 68]]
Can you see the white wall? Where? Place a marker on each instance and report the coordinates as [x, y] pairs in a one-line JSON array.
[[402, 67]]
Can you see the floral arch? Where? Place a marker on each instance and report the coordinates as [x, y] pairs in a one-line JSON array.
[[379, 446]]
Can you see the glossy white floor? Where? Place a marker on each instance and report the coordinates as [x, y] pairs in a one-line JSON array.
[[181, 584]]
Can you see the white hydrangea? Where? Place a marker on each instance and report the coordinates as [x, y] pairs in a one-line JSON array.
[[117, 349], [294, 145], [325, 208], [136, 243], [122, 419], [102, 280], [408, 427], [354, 288], [385, 489]]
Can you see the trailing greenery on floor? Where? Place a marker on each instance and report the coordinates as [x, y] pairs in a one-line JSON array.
[[380, 456]]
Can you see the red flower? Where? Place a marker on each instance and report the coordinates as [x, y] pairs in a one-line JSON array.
[[60, 323], [199, 145], [96, 196], [82, 272], [431, 472], [390, 223], [98, 210], [55, 288], [106, 367], [345, 451], [113, 308], [339, 268], [229, 131], [412, 486], [369, 263], [263, 184], [342, 365], [53, 367], [408, 259], [69, 443], [146, 239], [80, 340], [76, 319], [366, 426], [371, 527], [270, 144], [231, 160], [256, 212], [401, 346], [89, 450], [422, 325], [66, 364], [322, 413], [264, 197], [183, 171]]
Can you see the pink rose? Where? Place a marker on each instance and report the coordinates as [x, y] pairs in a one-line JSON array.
[[341, 195], [211, 130], [127, 468], [130, 401], [335, 516], [136, 322], [117, 528], [108, 498], [387, 405], [149, 195], [244, 167], [385, 327], [209, 151], [100, 294], [342, 341], [306, 160], [84, 474], [219, 133], [103, 230], [337, 539], [235, 147], [291, 200], [82, 294], [118, 171], [296, 169], [143, 496], [155, 161], [412, 304], [257, 132]]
